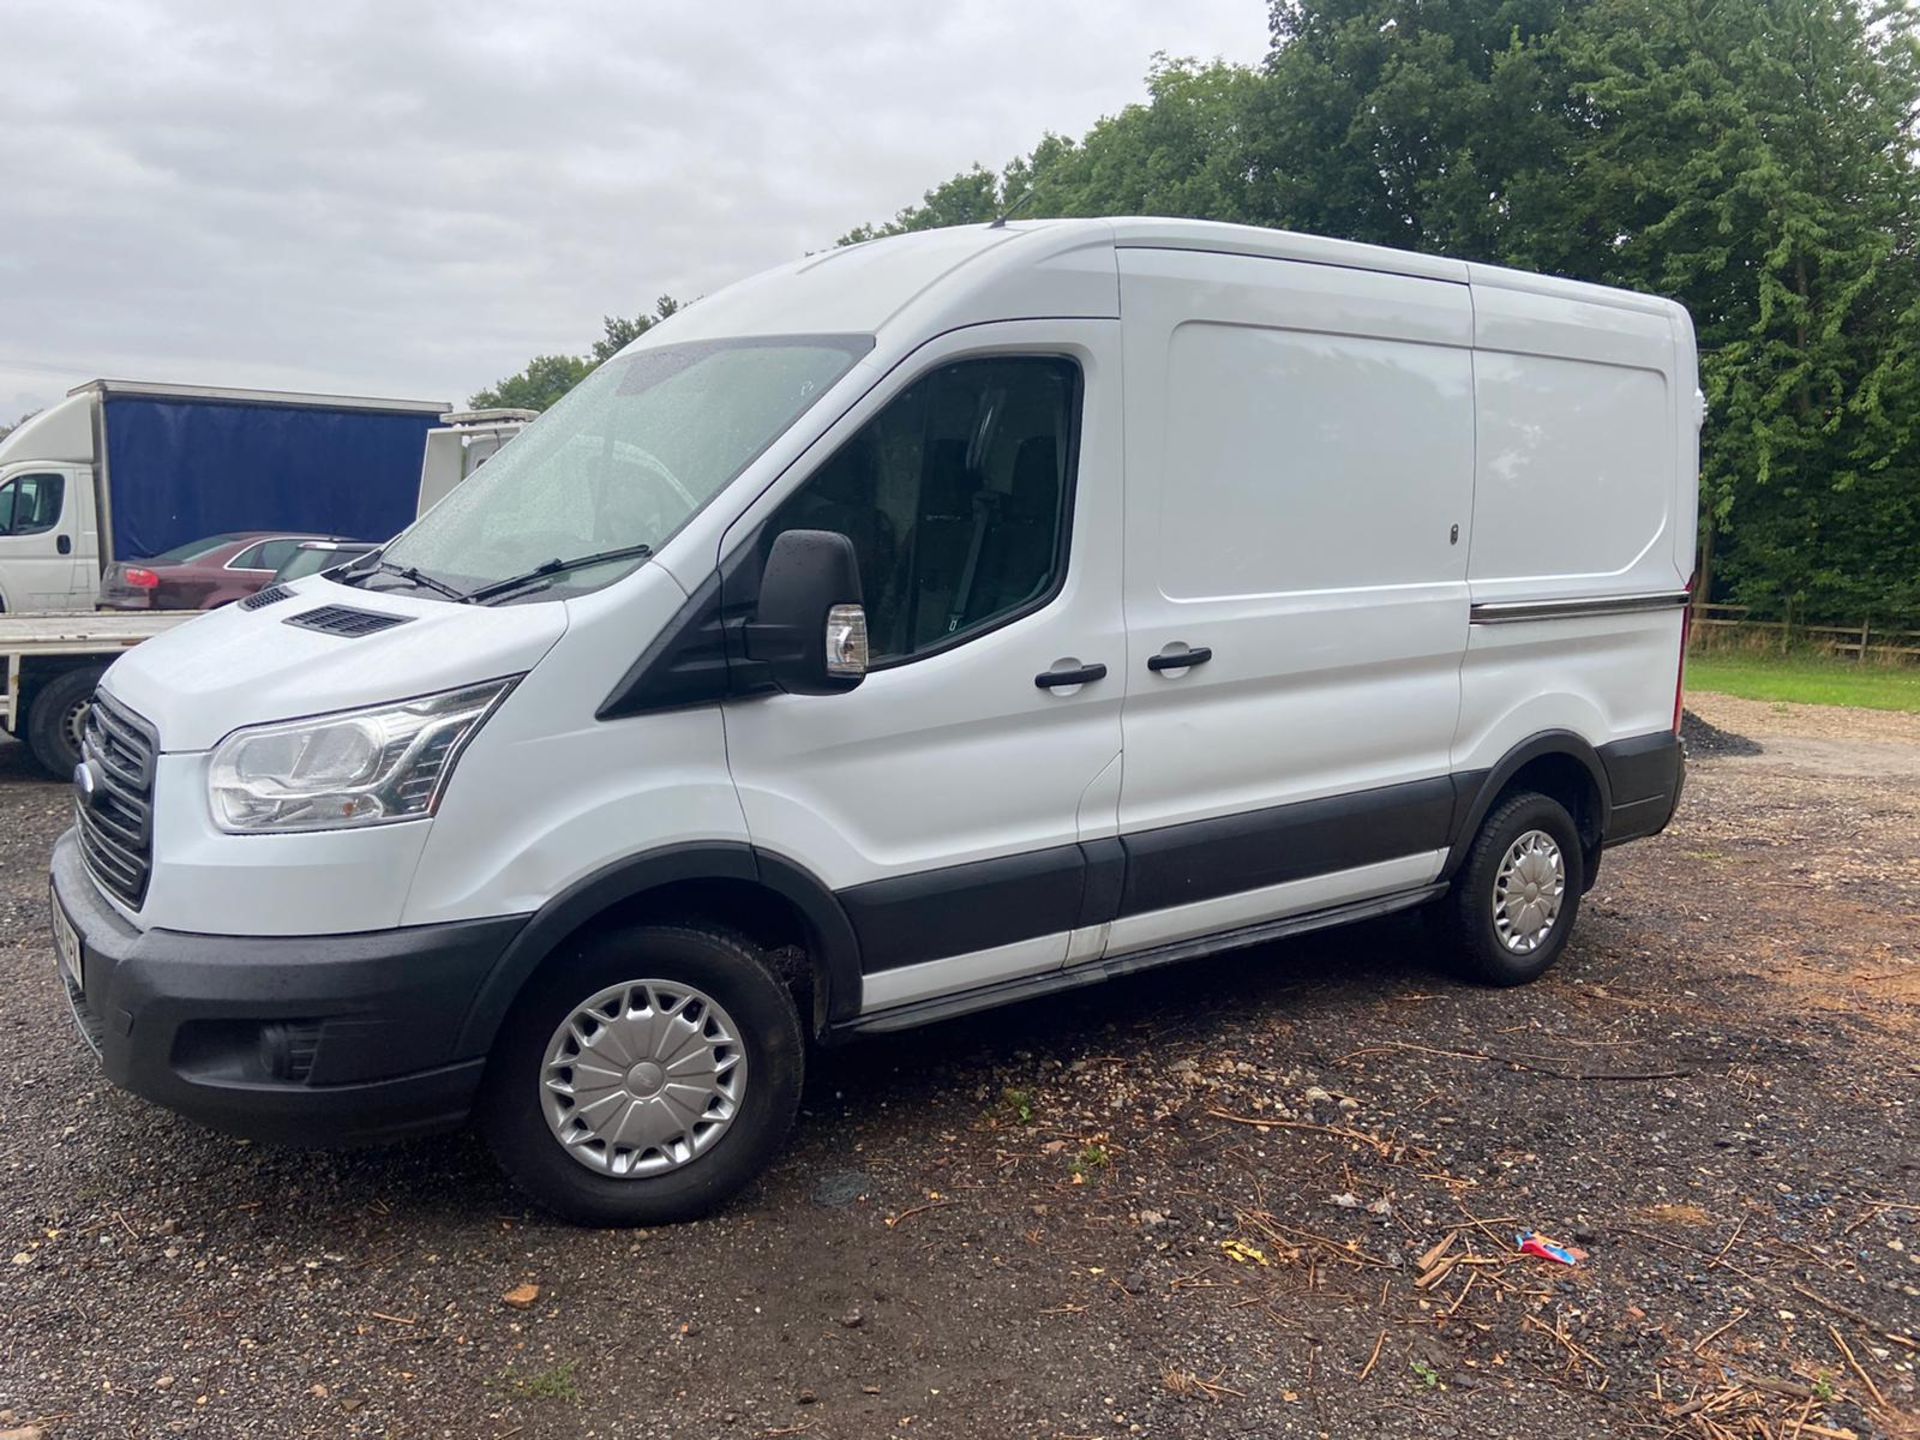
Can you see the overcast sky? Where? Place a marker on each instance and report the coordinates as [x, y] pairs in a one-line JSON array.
[[411, 199]]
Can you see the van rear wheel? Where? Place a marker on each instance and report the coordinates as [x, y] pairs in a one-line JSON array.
[[1516, 897], [647, 1079]]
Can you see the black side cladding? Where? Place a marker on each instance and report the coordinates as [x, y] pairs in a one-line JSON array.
[[962, 908], [1206, 859], [1645, 774]]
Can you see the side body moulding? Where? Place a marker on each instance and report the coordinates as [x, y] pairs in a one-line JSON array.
[[912, 919]]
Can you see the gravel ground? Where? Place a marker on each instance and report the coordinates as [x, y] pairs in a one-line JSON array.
[[1193, 1203]]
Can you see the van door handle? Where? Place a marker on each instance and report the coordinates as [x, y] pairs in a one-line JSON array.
[[1084, 675], [1179, 659], [64, 545]]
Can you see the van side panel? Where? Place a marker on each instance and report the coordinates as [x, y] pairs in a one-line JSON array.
[[1299, 454], [1582, 509]]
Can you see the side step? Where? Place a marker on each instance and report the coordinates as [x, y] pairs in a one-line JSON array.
[[1092, 972]]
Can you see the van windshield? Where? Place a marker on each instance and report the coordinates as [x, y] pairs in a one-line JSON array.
[[626, 459]]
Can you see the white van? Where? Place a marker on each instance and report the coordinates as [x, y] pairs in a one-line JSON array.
[[925, 625]]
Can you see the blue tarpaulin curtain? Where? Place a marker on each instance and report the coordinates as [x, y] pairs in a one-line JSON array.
[[184, 469]]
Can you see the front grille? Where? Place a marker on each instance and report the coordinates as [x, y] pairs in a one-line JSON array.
[[345, 620], [116, 830]]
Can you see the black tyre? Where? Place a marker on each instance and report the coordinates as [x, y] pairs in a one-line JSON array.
[[59, 714], [1515, 899], [647, 1078]]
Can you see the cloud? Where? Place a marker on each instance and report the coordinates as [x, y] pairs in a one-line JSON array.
[[413, 198]]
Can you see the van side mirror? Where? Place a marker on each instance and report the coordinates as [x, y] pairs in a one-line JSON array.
[[808, 628]]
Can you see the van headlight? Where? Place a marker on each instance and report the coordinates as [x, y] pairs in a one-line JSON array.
[[355, 767]]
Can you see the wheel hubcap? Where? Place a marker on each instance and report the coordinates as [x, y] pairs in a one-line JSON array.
[[643, 1078], [76, 724], [1527, 892]]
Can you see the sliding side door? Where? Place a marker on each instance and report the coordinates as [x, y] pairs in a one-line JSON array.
[[1299, 472]]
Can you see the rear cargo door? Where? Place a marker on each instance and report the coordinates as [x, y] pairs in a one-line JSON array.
[[1299, 471]]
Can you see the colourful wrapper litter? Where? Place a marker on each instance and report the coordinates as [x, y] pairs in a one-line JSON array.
[[1531, 1242]]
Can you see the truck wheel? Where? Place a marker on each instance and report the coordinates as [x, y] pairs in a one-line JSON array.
[[58, 718], [646, 1079], [1515, 899]]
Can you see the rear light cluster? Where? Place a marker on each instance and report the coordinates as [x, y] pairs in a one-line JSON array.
[[140, 579]]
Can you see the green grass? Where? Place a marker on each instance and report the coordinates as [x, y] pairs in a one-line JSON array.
[[554, 1384], [1806, 680]]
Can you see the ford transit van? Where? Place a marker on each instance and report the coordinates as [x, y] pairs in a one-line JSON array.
[[929, 624]]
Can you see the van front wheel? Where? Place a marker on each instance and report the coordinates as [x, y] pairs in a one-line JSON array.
[[647, 1079], [1517, 895]]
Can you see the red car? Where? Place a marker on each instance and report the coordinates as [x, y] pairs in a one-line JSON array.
[[201, 575]]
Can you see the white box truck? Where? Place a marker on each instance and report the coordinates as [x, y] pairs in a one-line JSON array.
[[460, 444], [925, 625], [121, 470], [55, 486]]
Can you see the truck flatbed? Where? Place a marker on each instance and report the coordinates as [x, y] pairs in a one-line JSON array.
[[84, 633], [37, 648]]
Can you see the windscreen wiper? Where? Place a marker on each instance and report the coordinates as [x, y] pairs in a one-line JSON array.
[[543, 574], [416, 576]]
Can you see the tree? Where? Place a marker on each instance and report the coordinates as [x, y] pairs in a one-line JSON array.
[[1175, 155], [1442, 127], [1757, 161], [548, 377], [6, 430], [969, 198], [545, 380], [1754, 159], [622, 333]]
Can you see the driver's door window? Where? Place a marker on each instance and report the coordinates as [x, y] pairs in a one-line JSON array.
[[956, 497], [30, 504]]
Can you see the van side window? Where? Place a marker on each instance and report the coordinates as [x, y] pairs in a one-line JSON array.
[[30, 504], [956, 497]]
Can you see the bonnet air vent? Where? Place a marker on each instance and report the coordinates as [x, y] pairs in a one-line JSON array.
[[260, 599], [345, 620]]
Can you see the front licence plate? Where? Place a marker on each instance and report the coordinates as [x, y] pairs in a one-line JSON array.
[[66, 946]]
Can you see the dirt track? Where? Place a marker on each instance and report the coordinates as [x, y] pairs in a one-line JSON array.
[[1122, 1213]]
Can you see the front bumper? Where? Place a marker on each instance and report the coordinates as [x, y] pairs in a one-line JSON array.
[[320, 1039]]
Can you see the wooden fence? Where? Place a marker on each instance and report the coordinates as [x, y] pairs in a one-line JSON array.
[[1727, 629]]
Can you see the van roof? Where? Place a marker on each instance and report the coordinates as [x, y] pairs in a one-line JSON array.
[[1315, 249], [859, 288]]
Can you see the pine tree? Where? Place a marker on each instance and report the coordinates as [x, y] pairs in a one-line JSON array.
[[1757, 158]]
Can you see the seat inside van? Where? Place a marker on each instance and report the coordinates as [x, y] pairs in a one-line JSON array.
[[952, 498]]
